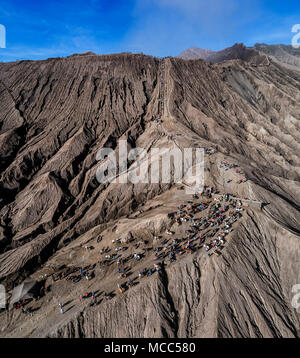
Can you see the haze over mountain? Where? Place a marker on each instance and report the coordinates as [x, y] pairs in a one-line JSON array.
[[286, 54], [241, 106], [196, 53]]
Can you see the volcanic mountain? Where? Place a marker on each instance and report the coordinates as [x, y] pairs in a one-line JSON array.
[[284, 54], [57, 220]]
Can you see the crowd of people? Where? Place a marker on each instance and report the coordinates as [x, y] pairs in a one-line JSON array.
[[198, 223], [208, 231]]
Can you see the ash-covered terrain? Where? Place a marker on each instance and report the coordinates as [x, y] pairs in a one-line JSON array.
[[207, 265]]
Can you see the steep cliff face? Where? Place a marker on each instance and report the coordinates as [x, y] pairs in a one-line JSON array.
[[57, 114], [250, 112]]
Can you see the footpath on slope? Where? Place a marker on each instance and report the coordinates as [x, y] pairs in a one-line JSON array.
[[192, 223]]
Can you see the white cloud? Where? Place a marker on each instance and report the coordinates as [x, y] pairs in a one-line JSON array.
[[173, 25]]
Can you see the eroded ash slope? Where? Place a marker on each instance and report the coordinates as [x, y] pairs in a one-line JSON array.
[[55, 116]]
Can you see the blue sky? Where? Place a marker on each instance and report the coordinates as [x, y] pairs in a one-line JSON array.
[[41, 29]]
